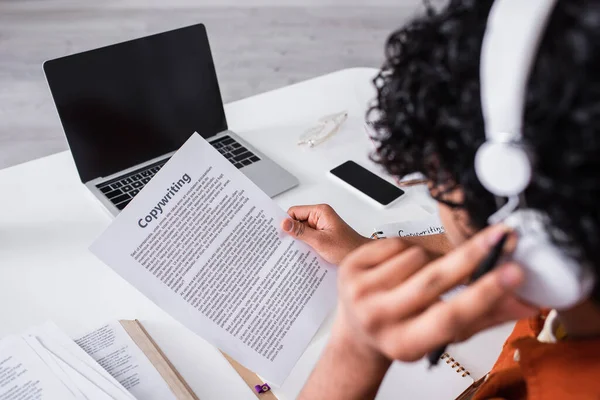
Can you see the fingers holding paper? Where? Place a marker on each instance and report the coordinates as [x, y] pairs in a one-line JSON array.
[[390, 291], [324, 230]]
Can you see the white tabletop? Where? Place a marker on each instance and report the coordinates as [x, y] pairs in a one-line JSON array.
[[48, 219]]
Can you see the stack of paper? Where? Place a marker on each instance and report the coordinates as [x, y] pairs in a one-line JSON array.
[[117, 361], [44, 363]]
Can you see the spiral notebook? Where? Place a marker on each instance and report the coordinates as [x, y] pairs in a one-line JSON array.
[[415, 381]]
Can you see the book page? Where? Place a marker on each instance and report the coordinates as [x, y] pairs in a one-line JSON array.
[[112, 348], [204, 243], [24, 376]]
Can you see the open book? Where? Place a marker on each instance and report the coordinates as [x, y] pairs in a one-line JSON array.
[[205, 244], [118, 361]]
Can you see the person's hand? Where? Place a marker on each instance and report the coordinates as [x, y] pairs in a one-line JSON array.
[[321, 228], [389, 295]]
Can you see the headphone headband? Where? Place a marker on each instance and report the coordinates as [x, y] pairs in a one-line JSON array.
[[514, 31]]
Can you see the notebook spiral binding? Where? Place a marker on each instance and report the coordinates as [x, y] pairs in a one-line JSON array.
[[455, 365]]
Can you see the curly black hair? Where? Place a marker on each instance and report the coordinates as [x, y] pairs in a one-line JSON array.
[[428, 115]]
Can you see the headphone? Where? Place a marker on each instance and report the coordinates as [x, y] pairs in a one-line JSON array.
[[503, 165]]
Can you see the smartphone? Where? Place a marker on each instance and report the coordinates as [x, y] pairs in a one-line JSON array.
[[367, 183]]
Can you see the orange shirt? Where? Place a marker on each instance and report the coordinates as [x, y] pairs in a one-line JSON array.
[[568, 369]]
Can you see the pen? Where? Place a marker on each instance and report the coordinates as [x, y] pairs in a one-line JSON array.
[[486, 266], [412, 182]]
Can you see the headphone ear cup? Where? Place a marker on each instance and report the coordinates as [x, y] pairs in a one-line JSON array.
[[552, 279], [504, 169]]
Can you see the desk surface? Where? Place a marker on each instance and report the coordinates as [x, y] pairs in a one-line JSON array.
[[48, 219]]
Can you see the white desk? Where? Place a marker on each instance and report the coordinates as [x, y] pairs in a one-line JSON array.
[[48, 220]]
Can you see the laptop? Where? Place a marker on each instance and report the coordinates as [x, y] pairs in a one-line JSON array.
[[126, 108]]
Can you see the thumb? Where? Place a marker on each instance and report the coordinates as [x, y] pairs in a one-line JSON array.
[[301, 231]]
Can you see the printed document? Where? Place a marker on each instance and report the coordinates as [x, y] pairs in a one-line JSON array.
[[24, 376], [118, 361], [114, 350], [204, 243], [73, 366]]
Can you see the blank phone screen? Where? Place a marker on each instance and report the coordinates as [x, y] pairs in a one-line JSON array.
[[367, 182]]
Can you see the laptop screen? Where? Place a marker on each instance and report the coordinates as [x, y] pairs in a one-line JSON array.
[[131, 102]]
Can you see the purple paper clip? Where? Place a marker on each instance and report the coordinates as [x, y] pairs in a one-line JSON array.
[[262, 388]]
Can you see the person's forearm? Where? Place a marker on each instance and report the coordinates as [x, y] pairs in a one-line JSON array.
[[346, 372]]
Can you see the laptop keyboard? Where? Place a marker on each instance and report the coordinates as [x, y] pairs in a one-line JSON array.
[[237, 154], [122, 190]]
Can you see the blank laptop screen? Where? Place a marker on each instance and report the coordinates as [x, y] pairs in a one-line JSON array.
[[131, 102]]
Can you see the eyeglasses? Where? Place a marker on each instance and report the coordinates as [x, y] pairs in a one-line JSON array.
[[326, 127]]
